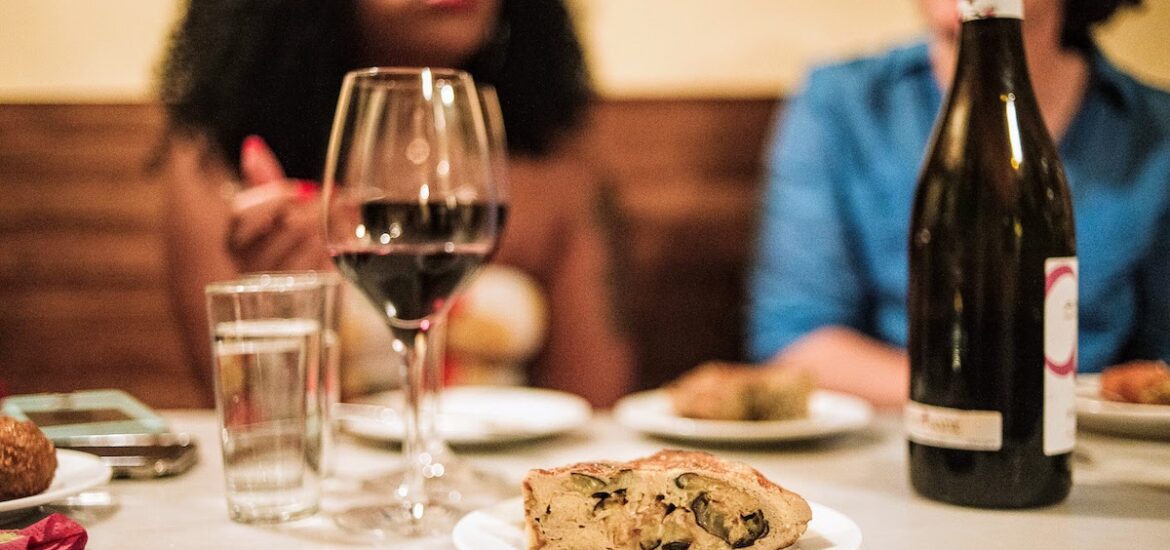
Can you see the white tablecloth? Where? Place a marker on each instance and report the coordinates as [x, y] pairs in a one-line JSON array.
[[1121, 497]]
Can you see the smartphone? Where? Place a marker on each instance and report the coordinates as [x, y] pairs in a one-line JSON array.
[[82, 413], [139, 455]]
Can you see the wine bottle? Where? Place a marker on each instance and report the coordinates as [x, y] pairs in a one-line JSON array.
[[993, 286]]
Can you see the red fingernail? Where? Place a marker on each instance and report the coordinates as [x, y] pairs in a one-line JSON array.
[[252, 144], [307, 190]]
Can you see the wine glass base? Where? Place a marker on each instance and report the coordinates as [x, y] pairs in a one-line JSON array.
[[460, 487], [417, 521]]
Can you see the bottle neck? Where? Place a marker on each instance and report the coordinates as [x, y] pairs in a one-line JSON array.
[[992, 49], [986, 9]]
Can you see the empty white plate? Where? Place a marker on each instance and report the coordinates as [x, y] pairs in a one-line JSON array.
[[475, 415]]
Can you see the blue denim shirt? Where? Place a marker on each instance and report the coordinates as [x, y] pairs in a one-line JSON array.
[[842, 168]]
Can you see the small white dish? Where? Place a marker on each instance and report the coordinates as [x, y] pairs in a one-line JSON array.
[[501, 527], [830, 413], [1096, 413], [475, 415], [76, 472]]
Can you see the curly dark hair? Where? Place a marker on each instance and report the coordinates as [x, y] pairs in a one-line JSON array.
[[274, 68], [1080, 16]]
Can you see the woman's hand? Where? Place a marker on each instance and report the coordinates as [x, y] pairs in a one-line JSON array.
[[275, 222]]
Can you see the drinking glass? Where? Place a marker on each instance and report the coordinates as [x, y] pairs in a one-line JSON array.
[[327, 385], [411, 213], [266, 339]]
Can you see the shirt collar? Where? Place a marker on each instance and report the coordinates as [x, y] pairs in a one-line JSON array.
[[1113, 85]]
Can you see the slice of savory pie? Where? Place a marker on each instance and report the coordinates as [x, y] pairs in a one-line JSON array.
[[718, 390], [672, 500]]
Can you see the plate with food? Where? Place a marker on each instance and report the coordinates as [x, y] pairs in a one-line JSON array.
[[35, 473], [1132, 399], [474, 415], [723, 402], [668, 501]]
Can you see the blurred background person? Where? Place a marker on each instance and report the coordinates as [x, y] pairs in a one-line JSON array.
[[250, 88], [828, 290]]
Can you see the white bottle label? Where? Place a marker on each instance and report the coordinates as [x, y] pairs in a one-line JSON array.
[[972, 10], [953, 428], [1060, 354]]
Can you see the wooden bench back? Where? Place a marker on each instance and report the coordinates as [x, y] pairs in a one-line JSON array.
[[82, 299]]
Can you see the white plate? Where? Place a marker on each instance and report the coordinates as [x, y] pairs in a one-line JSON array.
[[475, 415], [1129, 419], [830, 413], [501, 527], [76, 472]]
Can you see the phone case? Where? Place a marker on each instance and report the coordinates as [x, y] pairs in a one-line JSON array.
[[139, 456], [88, 412]]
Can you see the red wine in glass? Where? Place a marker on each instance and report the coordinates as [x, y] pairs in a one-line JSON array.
[[430, 249]]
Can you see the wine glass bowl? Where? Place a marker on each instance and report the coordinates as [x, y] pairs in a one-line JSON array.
[[411, 213]]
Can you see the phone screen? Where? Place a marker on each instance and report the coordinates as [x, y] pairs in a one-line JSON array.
[[76, 416]]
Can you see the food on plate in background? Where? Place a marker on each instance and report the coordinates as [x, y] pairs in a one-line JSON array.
[[728, 391], [669, 500], [1146, 382], [496, 327], [28, 459]]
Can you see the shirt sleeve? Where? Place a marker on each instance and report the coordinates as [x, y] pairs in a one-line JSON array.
[[804, 276]]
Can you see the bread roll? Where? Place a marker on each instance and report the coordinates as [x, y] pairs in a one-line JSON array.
[[28, 459]]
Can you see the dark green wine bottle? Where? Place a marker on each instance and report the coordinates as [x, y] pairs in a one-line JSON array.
[[993, 286]]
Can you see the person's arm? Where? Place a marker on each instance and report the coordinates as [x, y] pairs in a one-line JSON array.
[[554, 234], [808, 294], [585, 353], [195, 217], [805, 274], [214, 231], [845, 360]]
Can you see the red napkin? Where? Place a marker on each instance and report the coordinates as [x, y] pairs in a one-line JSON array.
[[55, 532]]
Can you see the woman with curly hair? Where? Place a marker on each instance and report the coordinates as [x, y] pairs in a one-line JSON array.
[[250, 88], [829, 285]]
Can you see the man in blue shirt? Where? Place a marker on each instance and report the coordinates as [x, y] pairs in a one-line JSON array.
[[829, 286]]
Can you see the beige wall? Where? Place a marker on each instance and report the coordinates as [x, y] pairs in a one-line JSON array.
[[756, 47], [70, 50], [81, 50]]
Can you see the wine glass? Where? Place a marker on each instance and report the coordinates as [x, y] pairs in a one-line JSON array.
[[411, 213], [451, 481], [493, 118], [459, 484]]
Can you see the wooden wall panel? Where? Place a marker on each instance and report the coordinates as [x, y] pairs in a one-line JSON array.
[[82, 298], [684, 177], [82, 301]]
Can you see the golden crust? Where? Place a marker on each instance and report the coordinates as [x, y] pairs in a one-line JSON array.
[[671, 459], [28, 459], [550, 501]]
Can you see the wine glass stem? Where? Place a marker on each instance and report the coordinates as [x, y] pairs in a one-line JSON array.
[[435, 444], [412, 490]]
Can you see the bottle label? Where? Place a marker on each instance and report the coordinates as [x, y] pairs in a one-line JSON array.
[[972, 10], [953, 428], [1060, 354]]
